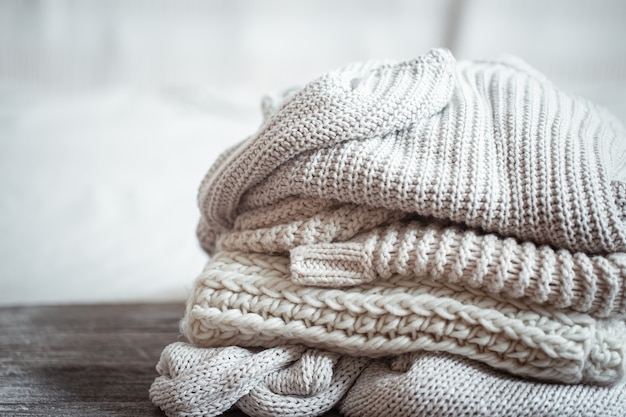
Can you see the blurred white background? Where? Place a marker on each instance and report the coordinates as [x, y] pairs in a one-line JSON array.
[[111, 111]]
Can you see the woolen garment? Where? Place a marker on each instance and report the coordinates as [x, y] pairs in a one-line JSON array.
[[284, 381], [391, 219], [298, 381], [248, 299], [488, 144], [424, 384], [487, 147], [333, 244]]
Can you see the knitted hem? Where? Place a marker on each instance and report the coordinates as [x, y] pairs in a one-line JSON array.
[[333, 244]]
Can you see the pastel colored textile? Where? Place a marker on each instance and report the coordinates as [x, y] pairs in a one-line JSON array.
[[334, 244], [487, 144], [524, 177], [285, 381]]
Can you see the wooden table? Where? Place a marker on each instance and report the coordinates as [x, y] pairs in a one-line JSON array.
[[84, 360]]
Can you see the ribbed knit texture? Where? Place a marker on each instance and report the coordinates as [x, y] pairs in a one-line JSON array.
[[438, 228], [490, 145], [334, 244], [359, 101]]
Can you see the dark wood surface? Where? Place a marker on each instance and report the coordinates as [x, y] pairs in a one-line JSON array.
[[84, 360]]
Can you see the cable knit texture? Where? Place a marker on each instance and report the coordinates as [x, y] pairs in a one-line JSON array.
[[286, 381], [248, 300], [433, 230]]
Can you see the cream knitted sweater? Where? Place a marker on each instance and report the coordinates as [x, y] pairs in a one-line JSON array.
[[469, 208], [490, 145], [247, 299], [298, 382]]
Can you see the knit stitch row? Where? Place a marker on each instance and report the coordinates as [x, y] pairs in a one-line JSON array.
[[490, 145], [394, 222], [249, 300], [333, 244]]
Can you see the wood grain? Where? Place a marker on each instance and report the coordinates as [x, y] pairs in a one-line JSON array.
[[84, 360]]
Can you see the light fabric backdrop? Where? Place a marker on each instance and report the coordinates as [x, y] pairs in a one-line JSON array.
[[112, 111]]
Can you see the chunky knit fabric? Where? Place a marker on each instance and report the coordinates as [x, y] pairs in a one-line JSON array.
[[248, 300], [333, 244], [285, 381], [391, 219], [491, 145], [297, 381], [507, 153]]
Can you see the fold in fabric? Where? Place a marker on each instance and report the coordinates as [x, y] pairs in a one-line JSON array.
[[424, 384], [439, 228], [490, 145], [298, 381], [284, 381], [341, 105]]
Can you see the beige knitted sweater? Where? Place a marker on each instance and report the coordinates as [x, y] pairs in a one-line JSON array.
[[296, 381], [470, 208], [248, 299]]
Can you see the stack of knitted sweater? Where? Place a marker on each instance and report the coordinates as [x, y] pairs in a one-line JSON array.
[[420, 238]]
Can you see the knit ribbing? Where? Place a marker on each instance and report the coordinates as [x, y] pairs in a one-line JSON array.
[[414, 216], [249, 300], [333, 244], [509, 153], [358, 101], [593, 284]]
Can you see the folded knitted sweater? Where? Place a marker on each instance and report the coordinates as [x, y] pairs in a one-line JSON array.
[[491, 145], [296, 381], [247, 299], [468, 209]]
